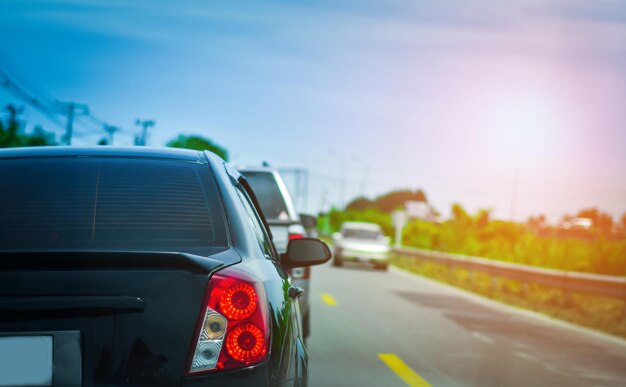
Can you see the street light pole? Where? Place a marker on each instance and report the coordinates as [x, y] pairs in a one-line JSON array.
[[344, 171], [514, 193]]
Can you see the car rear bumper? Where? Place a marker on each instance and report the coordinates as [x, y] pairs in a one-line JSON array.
[[376, 260], [374, 257], [258, 375]]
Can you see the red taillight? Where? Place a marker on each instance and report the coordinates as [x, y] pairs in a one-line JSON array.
[[238, 301], [295, 236], [245, 343], [233, 328]]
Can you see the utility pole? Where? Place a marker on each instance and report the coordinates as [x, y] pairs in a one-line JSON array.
[[145, 125], [14, 111], [110, 130], [514, 193], [362, 189], [324, 199], [344, 171], [71, 110]]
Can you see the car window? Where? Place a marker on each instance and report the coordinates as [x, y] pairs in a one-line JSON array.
[[98, 202], [255, 222], [361, 234], [268, 193]]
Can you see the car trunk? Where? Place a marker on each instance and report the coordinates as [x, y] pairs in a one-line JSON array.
[[131, 316]]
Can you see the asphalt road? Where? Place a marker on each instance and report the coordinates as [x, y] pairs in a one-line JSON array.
[[372, 328]]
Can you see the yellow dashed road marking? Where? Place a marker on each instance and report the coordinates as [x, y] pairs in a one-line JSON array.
[[405, 372], [328, 299]]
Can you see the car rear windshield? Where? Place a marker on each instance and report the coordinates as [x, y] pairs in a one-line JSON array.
[[268, 194], [112, 203], [361, 234]]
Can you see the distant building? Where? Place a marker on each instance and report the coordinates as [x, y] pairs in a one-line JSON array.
[[421, 210], [577, 224]]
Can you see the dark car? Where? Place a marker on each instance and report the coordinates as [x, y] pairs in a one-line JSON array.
[[142, 266]]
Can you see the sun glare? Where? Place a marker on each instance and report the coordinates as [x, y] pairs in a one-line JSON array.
[[522, 126]]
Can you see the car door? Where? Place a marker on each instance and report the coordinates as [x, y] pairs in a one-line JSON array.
[[293, 359]]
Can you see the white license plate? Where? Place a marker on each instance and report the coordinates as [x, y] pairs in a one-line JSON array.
[[25, 360]]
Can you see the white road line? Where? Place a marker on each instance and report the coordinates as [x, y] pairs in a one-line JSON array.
[[483, 338], [525, 355], [602, 377], [553, 369]]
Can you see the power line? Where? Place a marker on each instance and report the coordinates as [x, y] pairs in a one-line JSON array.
[[42, 95], [88, 125], [21, 94], [70, 109], [51, 107], [95, 120]]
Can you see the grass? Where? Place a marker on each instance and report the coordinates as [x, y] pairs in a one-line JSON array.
[[606, 314]]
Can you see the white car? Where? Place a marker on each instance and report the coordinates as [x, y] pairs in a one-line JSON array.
[[362, 242]]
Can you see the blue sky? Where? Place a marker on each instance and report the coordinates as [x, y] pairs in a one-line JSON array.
[[454, 97]]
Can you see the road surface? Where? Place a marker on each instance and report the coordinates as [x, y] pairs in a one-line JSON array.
[[372, 328]]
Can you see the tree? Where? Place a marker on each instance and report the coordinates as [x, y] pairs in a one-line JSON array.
[[360, 203], [482, 218], [396, 199], [537, 222], [12, 132], [600, 220], [198, 143], [459, 214]]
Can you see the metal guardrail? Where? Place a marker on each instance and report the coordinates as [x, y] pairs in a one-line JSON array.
[[603, 285]]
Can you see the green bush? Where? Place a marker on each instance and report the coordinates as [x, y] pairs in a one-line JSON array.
[[501, 240]]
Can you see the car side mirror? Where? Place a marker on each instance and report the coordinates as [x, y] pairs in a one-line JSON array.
[[305, 252], [309, 222]]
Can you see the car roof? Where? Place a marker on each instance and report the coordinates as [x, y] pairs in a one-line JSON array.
[[104, 151], [361, 226], [257, 169]]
